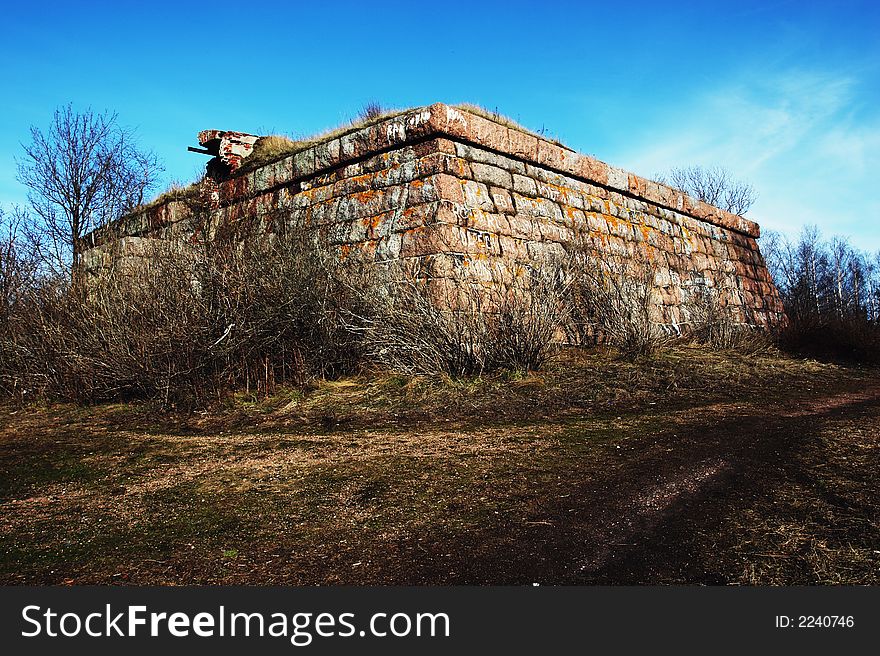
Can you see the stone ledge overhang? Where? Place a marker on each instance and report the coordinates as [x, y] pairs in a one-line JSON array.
[[441, 120], [457, 124], [461, 124]]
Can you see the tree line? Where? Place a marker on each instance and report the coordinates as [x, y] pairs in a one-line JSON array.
[[831, 292], [824, 279]]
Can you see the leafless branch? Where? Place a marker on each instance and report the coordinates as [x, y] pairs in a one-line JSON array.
[[82, 172], [714, 186]]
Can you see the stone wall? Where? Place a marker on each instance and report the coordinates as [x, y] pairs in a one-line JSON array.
[[452, 192]]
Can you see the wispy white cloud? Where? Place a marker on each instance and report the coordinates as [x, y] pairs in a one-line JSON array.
[[805, 139]]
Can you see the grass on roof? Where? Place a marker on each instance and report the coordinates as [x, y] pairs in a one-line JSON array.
[[271, 148], [177, 191], [275, 147], [506, 121]]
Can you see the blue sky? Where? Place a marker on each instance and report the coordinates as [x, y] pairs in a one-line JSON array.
[[786, 95]]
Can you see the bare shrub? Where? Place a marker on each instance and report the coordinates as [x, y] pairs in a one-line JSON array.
[[612, 301], [18, 262], [461, 328], [184, 322], [410, 332], [286, 304], [532, 316], [717, 325], [708, 321], [370, 111], [138, 331]]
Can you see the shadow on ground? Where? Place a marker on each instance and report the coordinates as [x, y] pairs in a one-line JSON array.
[[767, 479]]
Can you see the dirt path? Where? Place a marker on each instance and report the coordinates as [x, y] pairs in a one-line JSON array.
[[660, 515]]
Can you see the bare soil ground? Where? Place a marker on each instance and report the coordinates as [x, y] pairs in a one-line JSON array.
[[691, 467]]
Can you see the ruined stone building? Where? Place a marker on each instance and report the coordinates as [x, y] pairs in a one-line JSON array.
[[456, 190]]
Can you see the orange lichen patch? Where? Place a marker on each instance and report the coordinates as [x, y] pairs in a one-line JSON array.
[[362, 180], [344, 250], [637, 184], [367, 248], [364, 196], [417, 183], [479, 190], [562, 193], [461, 167], [372, 224]]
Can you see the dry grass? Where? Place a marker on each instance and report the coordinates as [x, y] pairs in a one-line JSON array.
[[576, 381], [178, 191], [388, 479], [820, 524], [272, 148], [279, 147], [501, 119]]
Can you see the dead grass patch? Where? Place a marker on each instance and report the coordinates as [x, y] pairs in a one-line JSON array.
[[506, 121], [440, 480]]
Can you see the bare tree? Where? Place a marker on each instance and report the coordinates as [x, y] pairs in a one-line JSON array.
[[82, 172], [17, 261], [823, 280], [714, 186], [872, 287]]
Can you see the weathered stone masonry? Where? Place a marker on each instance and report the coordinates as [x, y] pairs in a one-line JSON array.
[[453, 192]]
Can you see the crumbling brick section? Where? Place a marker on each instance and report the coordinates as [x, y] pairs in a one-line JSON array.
[[228, 148], [454, 193]]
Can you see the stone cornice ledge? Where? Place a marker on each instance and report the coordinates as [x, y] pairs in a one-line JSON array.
[[462, 124], [424, 123], [459, 124]]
